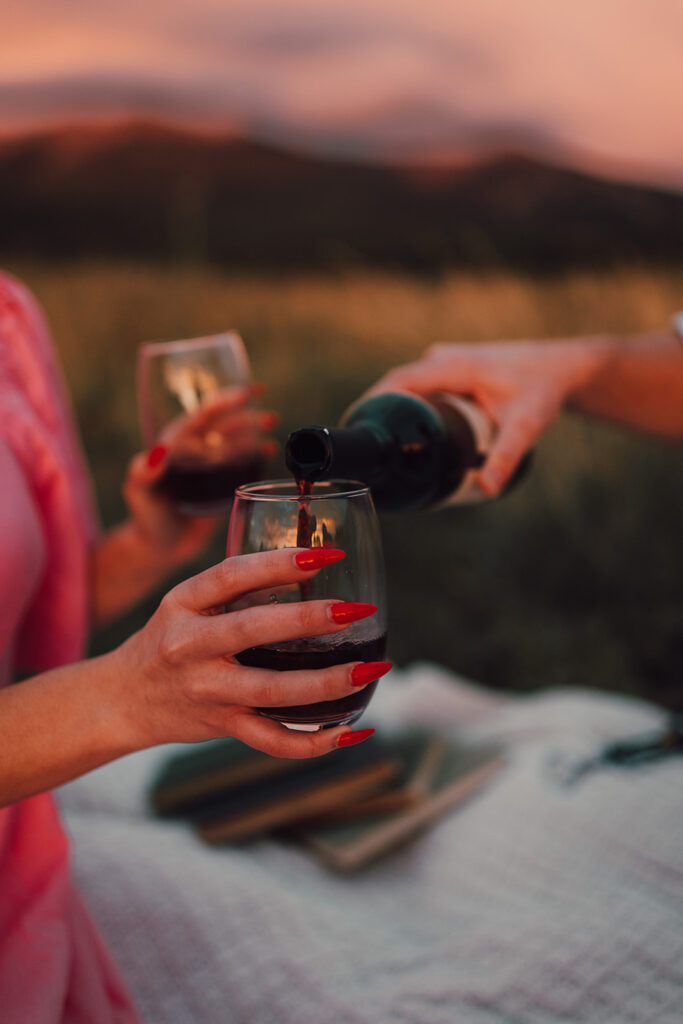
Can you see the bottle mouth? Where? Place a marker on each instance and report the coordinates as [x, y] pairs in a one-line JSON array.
[[308, 452], [308, 447]]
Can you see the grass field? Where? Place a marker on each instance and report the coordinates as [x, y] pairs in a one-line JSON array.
[[575, 579]]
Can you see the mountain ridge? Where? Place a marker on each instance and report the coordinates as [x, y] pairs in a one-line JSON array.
[[150, 190]]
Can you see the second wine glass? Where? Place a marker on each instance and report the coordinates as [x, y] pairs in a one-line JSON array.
[[338, 514], [191, 397]]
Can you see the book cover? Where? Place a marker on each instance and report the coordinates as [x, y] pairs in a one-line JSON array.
[[444, 775], [230, 792]]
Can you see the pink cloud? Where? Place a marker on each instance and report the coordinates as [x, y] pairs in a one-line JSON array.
[[373, 77]]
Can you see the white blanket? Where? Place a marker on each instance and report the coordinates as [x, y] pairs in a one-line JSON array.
[[532, 904]]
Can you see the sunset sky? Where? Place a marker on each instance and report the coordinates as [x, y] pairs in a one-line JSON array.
[[598, 82]]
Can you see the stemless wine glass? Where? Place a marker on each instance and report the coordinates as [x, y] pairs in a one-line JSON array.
[[340, 514], [191, 399]]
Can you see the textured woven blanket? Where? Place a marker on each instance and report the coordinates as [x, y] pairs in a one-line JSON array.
[[534, 903]]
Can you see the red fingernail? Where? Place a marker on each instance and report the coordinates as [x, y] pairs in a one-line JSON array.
[[350, 611], [269, 420], [156, 455], [347, 739], [316, 558], [369, 671]]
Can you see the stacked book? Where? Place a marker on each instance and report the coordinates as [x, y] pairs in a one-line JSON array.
[[349, 807]]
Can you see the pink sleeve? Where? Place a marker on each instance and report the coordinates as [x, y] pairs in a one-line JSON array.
[[22, 548], [36, 425], [54, 968]]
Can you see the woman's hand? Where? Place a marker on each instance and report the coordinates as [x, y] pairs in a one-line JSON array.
[[136, 556], [235, 427], [178, 678], [521, 385]]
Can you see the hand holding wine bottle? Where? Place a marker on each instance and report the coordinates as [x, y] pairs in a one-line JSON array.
[[521, 386], [413, 453]]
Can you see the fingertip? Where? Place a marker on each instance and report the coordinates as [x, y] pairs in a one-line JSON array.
[[156, 456], [269, 419], [349, 738], [491, 482], [310, 559], [369, 672], [345, 612]]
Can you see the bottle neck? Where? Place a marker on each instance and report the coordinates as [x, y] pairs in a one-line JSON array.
[[344, 453]]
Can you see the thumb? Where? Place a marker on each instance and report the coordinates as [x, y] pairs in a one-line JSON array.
[[146, 468], [152, 465]]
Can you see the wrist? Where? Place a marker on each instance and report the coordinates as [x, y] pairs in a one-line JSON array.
[[119, 712], [143, 547], [110, 700], [594, 357]]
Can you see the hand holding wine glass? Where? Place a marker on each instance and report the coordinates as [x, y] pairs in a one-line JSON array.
[[179, 678], [161, 533], [200, 420]]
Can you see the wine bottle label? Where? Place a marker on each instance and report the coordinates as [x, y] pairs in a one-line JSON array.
[[483, 433]]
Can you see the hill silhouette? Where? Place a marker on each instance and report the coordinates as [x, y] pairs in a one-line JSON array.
[[155, 192]]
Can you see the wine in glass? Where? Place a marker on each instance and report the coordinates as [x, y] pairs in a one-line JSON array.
[[338, 514], [191, 398]]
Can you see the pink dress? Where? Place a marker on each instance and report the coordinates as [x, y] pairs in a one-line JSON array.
[[53, 964]]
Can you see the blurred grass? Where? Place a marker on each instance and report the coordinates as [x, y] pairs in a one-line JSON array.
[[574, 579]]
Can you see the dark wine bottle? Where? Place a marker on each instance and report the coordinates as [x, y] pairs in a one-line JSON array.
[[412, 452]]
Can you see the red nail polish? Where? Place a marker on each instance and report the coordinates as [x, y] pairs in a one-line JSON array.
[[347, 739], [316, 558], [369, 671], [269, 420], [156, 455], [351, 611]]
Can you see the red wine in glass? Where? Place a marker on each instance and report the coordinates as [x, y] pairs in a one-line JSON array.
[[303, 525], [204, 486], [311, 654]]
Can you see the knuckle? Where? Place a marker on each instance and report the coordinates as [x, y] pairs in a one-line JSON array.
[[310, 617], [227, 571], [269, 691], [239, 636], [167, 610], [315, 745], [304, 745], [335, 680], [168, 601], [173, 648], [272, 560]]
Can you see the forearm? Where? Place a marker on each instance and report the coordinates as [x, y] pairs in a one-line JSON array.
[[639, 384], [59, 725], [125, 568]]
